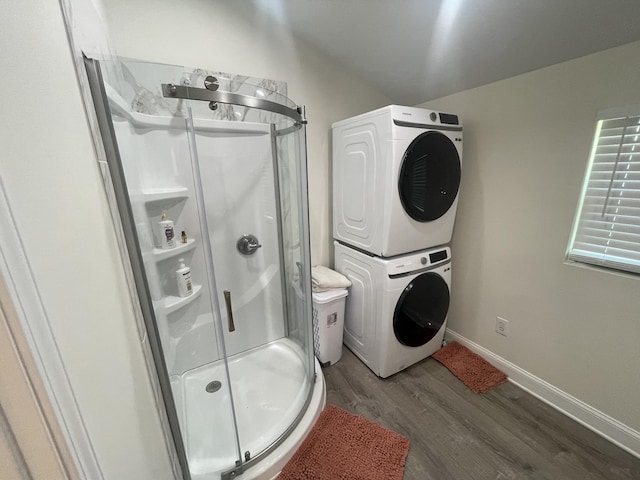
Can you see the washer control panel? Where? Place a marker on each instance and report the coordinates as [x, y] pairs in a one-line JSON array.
[[423, 118], [418, 261]]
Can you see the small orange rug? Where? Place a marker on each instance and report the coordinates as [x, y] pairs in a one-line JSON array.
[[344, 446], [472, 370]]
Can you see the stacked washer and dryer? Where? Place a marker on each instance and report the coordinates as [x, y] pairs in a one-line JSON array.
[[396, 175]]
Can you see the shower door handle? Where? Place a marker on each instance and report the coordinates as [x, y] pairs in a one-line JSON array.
[[227, 301]]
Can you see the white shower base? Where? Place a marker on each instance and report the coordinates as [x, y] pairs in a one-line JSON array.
[[268, 392]]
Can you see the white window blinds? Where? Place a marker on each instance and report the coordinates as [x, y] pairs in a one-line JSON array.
[[607, 227]]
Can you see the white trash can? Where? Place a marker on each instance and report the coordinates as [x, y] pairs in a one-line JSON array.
[[328, 324]]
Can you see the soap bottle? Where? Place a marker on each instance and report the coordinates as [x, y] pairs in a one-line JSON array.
[[167, 233], [183, 276]]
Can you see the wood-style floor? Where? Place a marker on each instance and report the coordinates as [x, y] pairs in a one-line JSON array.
[[455, 434]]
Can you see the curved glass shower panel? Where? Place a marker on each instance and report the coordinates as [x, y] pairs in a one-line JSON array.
[[291, 154], [259, 267], [228, 167], [155, 155]]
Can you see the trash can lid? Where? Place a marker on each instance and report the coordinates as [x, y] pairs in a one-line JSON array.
[[329, 295]]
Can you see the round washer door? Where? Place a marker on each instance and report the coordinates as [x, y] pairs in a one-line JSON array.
[[421, 310], [429, 176]]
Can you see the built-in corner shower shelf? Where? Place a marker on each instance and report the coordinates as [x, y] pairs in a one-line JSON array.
[[160, 254], [171, 303], [163, 194]]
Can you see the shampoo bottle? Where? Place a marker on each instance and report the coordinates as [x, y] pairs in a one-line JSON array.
[[183, 276], [167, 233]]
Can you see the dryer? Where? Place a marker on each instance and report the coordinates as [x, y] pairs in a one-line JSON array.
[[396, 311], [396, 174]]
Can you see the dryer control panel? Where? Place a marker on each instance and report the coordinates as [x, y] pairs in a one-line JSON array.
[[424, 260]]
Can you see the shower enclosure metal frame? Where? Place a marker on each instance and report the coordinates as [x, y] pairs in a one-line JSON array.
[[170, 90], [116, 172]]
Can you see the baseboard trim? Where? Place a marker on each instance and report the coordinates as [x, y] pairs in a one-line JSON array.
[[616, 432]]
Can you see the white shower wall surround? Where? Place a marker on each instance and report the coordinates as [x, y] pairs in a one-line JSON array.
[[157, 155]]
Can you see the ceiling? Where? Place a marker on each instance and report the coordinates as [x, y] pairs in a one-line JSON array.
[[418, 50]]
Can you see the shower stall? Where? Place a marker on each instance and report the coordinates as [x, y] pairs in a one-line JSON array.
[[224, 158]]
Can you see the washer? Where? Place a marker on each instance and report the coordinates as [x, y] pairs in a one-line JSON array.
[[396, 174], [397, 308]]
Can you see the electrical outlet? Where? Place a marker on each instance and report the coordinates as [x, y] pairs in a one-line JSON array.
[[502, 326]]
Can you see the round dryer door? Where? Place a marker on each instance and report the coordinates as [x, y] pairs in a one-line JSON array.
[[421, 310], [429, 176]]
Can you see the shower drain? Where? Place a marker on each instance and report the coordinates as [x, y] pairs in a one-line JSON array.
[[213, 386]]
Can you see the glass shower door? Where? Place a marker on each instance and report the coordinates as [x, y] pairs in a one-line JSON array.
[[251, 196]]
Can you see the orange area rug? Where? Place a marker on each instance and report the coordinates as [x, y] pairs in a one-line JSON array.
[[344, 446], [471, 369]]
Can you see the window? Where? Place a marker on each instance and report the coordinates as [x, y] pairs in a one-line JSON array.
[[606, 231]]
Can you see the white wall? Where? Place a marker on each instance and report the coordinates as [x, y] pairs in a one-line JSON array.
[[229, 37], [53, 186], [527, 141]]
